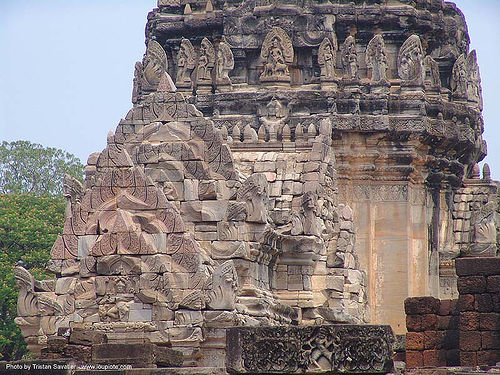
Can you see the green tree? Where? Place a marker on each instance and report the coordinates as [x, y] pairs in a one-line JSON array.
[[27, 167], [31, 216], [28, 227]]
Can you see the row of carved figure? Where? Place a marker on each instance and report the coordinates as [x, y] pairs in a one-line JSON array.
[[213, 64]]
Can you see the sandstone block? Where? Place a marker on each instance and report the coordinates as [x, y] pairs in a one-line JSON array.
[[65, 285]]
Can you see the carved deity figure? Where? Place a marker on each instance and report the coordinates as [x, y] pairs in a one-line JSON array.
[[307, 221], [350, 58], [206, 62], [474, 93], [277, 53], [72, 192], [484, 233], [274, 119], [376, 59], [327, 55], [255, 193], [410, 62], [224, 64], [432, 78], [459, 78], [185, 64]]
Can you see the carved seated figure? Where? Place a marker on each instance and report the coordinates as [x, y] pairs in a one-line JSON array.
[[275, 65]]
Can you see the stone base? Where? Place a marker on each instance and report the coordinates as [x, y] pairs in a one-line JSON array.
[[349, 349]]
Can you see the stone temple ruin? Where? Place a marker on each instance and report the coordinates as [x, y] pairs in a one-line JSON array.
[[287, 165]]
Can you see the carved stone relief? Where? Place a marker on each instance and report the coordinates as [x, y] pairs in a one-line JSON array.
[[206, 63], [327, 57], [277, 54], [410, 62], [186, 62], [350, 59], [224, 64], [376, 60]]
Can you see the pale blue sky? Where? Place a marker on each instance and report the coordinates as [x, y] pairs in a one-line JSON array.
[[66, 69]]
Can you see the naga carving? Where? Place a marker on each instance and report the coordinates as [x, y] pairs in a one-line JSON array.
[[410, 62]]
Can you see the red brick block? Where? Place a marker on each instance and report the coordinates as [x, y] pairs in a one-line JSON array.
[[434, 358], [414, 323], [471, 284], [430, 322], [484, 303], [414, 359], [434, 339], [414, 341], [477, 266], [489, 322], [488, 357], [466, 302], [468, 359], [469, 321], [493, 283], [450, 340], [421, 305], [490, 340], [470, 341]]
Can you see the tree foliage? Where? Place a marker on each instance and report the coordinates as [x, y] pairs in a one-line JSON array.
[[27, 167], [29, 225], [31, 216]]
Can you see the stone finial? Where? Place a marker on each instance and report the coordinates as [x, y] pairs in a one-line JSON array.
[[277, 54], [410, 62], [209, 7], [376, 59], [249, 134], [350, 58], [475, 172], [236, 134], [486, 172], [187, 9]]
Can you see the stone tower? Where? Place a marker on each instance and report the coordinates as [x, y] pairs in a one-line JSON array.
[[285, 162]]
